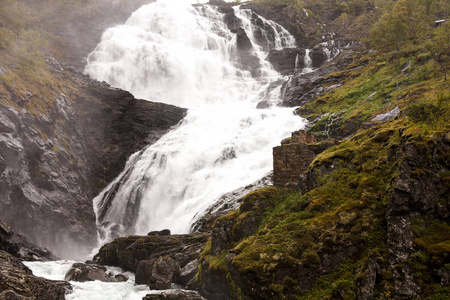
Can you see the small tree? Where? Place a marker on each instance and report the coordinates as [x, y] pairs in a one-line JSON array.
[[440, 47], [389, 31]]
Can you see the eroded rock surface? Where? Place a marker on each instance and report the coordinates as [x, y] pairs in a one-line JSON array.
[[18, 282]]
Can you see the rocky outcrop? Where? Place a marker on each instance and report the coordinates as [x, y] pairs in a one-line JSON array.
[[305, 88], [83, 272], [55, 161], [419, 196], [278, 14], [293, 157], [157, 260], [286, 61], [18, 282]]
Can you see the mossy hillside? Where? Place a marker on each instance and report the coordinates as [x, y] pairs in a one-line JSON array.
[[318, 245], [345, 212], [375, 84]]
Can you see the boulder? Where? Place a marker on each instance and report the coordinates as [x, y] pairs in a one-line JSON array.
[[82, 272], [174, 295], [157, 273]]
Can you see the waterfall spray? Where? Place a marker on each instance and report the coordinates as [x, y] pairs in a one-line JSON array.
[[180, 54]]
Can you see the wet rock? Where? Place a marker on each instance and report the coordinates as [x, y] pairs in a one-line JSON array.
[[246, 59], [318, 56], [174, 295], [18, 282], [243, 43], [188, 272], [158, 273], [164, 270], [155, 259], [278, 14], [121, 278], [88, 272], [284, 60]]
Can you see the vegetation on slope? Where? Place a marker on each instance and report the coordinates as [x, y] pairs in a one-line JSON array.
[[328, 240]]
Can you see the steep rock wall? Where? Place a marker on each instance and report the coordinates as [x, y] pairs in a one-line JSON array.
[[54, 161]]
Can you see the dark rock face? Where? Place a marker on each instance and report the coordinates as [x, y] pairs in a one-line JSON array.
[[58, 149], [65, 157], [20, 247], [156, 260], [246, 59], [278, 15], [318, 56], [284, 60], [18, 282], [419, 195]]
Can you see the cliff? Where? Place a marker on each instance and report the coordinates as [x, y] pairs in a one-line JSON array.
[[63, 135]]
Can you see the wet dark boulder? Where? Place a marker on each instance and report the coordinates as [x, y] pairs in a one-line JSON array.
[[83, 272], [157, 273]]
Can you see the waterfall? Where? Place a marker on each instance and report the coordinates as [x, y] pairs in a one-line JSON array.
[[173, 52], [307, 62]]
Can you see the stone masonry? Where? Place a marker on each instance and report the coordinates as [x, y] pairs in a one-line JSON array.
[[293, 157]]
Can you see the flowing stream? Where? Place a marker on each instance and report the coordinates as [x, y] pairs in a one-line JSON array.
[[177, 53]]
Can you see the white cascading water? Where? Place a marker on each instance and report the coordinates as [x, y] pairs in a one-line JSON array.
[[173, 52], [307, 62]]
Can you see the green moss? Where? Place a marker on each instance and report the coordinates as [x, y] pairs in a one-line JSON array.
[[217, 262], [310, 258]]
